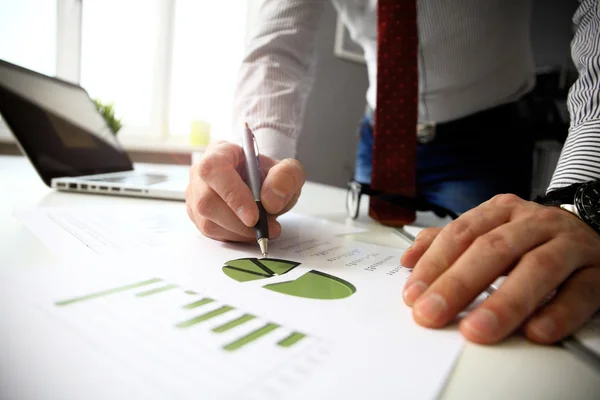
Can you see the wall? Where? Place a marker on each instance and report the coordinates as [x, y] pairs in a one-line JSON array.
[[335, 105], [337, 101]]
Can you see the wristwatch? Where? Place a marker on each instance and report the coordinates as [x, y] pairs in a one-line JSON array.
[[581, 199]]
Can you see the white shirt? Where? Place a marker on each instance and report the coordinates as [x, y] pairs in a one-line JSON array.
[[473, 55]]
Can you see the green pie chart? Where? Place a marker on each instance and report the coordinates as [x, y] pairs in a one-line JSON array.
[[312, 285]]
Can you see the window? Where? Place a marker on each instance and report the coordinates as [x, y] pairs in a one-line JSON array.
[[120, 60], [28, 34], [28, 38], [164, 64], [208, 46]]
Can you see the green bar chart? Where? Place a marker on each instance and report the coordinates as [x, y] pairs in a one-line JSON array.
[[202, 311], [108, 292], [252, 336]]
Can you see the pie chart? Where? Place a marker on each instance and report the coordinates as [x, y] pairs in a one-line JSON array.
[[312, 285]]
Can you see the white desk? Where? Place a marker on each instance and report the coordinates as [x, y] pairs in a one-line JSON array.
[[515, 369]]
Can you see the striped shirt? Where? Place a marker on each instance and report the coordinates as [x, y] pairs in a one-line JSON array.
[[473, 55]]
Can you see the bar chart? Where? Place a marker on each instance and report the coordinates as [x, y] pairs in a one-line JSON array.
[[198, 315]]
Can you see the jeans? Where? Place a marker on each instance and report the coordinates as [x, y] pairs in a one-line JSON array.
[[461, 170]]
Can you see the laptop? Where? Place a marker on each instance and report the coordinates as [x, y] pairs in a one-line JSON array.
[[59, 129]]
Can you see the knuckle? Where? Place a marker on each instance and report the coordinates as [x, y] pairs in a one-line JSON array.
[[297, 165], [496, 243], [550, 215], [517, 307], [459, 231], [458, 285], [209, 167], [506, 199], [204, 205], [433, 266], [545, 260], [207, 227], [231, 197]]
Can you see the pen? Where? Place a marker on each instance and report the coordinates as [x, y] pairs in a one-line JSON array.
[[253, 172]]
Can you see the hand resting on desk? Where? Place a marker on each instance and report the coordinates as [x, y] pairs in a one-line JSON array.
[[544, 249], [220, 203]]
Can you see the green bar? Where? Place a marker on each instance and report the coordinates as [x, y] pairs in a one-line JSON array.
[[107, 292], [291, 340], [198, 303], [190, 292], [157, 290], [252, 336], [232, 324], [204, 317]]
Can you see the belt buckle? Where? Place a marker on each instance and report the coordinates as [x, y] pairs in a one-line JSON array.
[[426, 132]]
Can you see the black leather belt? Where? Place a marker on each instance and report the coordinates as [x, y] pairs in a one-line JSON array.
[[499, 117]]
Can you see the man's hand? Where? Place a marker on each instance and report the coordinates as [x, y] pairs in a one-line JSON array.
[[220, 203], [540, 248]]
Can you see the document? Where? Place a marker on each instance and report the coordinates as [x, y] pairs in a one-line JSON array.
[[321, 318], [93, 231], [586, 342]]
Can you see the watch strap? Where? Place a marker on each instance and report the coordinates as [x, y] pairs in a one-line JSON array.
[[565, 195]]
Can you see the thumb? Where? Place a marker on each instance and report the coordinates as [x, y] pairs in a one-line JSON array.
[[282, 185]]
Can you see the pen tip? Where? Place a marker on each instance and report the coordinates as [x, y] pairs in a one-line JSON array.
[[263, 244]]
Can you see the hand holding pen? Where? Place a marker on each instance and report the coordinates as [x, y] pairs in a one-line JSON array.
[[220, 202]]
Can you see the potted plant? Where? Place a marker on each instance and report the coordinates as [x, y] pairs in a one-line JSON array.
[[107, 110]]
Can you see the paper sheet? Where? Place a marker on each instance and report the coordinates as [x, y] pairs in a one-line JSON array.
[[328, 321], [589, 335], [92, 231]]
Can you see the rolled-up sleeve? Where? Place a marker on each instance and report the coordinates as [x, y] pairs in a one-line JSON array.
[[276, 74]]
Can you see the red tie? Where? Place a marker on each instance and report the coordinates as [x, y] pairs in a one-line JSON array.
[[395, 136]]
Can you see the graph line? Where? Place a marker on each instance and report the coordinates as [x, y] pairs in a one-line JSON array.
[[291, 340], [232, 324], [157, 290], [251, 337], [198, 303], [204, 317], [107, 292]]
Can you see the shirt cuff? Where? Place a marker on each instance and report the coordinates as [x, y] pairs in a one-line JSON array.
[[275, 144], [579, 161]]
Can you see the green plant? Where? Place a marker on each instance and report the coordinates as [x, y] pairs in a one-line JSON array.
[[108, 113]]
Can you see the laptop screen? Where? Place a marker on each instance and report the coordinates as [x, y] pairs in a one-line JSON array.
[[57, 125]]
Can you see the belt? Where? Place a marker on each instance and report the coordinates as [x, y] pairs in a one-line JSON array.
[[501, 116]]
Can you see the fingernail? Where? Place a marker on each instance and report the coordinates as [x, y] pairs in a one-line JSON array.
[[544, 328], [413, 291], [431, 307], [482, 322], [275, 198]]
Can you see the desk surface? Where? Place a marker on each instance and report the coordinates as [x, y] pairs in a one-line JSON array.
[[515, 369]]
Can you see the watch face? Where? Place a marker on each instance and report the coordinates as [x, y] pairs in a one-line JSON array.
[[587, 201]]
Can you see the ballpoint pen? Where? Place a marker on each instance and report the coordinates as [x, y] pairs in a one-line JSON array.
[[253, 172]]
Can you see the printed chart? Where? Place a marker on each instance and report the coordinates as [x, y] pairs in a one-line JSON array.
[[312, 285]]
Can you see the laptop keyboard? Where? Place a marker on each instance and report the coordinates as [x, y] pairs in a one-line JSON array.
[[141, 179]]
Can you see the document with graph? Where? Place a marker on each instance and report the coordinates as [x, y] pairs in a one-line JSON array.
[[323, 318]]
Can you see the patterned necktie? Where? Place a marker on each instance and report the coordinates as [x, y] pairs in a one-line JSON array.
[[395, 138]]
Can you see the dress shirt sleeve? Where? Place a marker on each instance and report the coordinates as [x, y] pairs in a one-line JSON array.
[[580, 157], [277, 73]]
